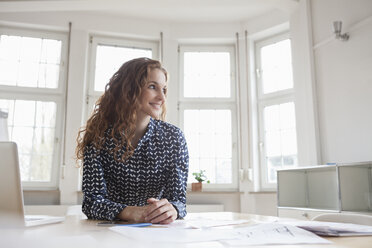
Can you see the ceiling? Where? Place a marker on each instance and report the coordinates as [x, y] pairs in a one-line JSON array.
[[162, 10]]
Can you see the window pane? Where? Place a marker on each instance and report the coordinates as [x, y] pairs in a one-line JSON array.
[[280, 138], [193, 167], [30, 49], [207, 145], [29, 62], [8, 72], [45, 114], [224, 171], [209, 140], [271, 117], [110, 58], [32, 126], [287, 115], [223, 146], [51, 51], [289, 144], [42, 171], [273, 163], [223, 121], [48, 76], [191, 121], [28, 74], [24, 113], [276, 66], [207, 74], [207, 121], [209, 165], [193, 145], [10, 47], [273, 143]]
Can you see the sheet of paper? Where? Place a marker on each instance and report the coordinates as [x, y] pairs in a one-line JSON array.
[[332, 228], [206, 223], [274, 234], [260, 234], [181, 224], [173, 235]]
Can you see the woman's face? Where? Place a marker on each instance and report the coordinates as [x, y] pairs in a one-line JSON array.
[[152, 96]]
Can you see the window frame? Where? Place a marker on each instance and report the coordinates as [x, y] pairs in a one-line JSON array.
[[56, 95], [96, 40], [228, 103], [208, 48], [259, 44], [265, 185], [268, 99]]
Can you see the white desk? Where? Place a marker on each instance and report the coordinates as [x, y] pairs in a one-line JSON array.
[[79, 232]]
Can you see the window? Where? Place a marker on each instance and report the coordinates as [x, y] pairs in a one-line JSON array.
[[276, 108], [208, 113], [32, 93], [107, 55]]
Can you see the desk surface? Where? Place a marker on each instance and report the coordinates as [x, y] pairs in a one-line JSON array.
[[76, 231]]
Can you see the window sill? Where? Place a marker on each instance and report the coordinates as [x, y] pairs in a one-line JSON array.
[[48, 190], [263, 192], [212, 191]]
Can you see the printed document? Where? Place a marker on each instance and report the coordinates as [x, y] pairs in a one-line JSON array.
[[332, 228], [259, 234]]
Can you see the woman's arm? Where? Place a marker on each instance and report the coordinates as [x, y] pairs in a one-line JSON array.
[[175, 191], [173, 204], [95, 204]]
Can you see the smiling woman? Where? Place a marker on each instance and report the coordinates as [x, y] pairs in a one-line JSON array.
[[134, 164]]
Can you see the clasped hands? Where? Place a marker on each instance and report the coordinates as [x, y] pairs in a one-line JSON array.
[[157, 211]]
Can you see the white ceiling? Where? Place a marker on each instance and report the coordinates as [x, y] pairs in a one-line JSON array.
[[167, 10]]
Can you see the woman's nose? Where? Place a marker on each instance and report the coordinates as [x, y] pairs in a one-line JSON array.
[[161, 95]]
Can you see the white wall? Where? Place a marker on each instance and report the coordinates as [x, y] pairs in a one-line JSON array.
[[344, 79]]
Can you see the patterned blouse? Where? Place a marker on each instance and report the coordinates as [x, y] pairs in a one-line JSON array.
[[158, 168]]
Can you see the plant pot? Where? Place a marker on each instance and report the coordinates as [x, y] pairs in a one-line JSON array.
[[196, 186]]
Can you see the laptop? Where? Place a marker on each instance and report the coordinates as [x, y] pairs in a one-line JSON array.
[[11, 193]]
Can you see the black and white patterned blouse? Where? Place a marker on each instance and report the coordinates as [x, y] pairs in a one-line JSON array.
[[158, 168]]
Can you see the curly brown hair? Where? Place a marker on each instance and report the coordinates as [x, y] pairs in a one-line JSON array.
[[117, 109]]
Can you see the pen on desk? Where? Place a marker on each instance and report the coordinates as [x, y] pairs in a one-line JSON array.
[[123, 224], [136, 224]]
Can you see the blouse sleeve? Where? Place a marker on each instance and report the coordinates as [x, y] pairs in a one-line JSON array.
[[175, 191], [95, 205]]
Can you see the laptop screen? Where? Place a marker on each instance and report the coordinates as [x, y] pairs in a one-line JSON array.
[[11, 195]]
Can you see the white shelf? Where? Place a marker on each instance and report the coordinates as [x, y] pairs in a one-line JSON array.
[[356, 187], [339, 187]]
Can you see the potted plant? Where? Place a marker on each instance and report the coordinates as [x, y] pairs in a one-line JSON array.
[[200, 177]]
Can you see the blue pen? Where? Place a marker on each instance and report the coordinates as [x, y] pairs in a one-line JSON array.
[[120, 223], [135, 224]]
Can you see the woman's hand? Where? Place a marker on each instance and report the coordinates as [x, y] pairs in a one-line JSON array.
[[160, 211], [133, 213]]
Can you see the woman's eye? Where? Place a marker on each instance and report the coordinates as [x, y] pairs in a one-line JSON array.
[[151, 86], [164, 90]]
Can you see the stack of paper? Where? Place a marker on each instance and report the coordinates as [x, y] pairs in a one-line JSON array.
[[332, 228], [274, 234]]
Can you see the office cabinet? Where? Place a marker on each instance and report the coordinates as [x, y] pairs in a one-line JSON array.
[[306, 192]]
